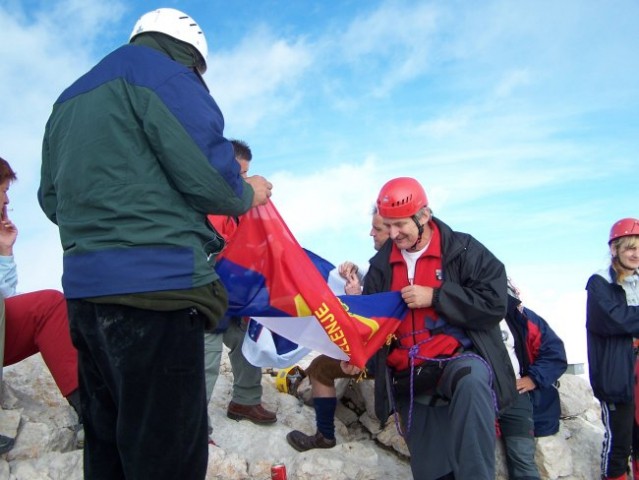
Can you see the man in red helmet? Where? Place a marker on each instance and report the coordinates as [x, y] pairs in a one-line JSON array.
[[447, 362]]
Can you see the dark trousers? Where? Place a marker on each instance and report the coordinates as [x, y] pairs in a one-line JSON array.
[[617, 420], [517, 425], [142, 391]]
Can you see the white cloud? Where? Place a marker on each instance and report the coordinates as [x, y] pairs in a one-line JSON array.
[[258, 78], [328, 199], [388, 46], [443, 126], [43, 52], [392, 25], [511, 81]]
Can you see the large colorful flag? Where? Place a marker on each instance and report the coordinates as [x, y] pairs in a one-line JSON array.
[[263, 347], [268, 274]]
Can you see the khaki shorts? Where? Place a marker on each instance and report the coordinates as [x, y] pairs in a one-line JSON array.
[[325, 370]]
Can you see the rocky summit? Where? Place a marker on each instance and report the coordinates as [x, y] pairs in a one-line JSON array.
[[44, 427]]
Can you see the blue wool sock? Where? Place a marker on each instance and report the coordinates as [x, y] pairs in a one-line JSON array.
[[325, 416]]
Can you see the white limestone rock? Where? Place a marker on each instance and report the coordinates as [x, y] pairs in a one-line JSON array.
[[51, 465], [44, 424], [9, 422], [575, 395], [553, 457]]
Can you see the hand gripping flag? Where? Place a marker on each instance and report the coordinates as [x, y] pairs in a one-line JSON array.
[[268, 274]]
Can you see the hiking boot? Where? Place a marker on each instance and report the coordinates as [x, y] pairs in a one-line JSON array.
[[6, 444], [255, 413], [302, 442]]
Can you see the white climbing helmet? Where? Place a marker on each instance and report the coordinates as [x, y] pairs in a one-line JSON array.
[[175, 24]]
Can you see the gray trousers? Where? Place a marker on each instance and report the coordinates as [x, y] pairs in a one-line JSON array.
[[459, 436], [247, 378]]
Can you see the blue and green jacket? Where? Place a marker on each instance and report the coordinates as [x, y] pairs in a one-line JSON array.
[[133, 159]]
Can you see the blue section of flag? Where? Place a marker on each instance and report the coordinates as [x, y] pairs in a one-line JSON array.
[[323, 266], [247, 291]]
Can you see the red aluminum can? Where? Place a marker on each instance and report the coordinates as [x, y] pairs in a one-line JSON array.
[[278, 471]]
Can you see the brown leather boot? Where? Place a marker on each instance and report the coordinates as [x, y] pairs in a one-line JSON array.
[[255, 413], [302, 442]]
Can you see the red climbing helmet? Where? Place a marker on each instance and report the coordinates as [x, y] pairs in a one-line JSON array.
[[623, 228], [401, 197]]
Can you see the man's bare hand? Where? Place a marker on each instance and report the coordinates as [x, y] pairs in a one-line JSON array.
[[353, 286], [262, 189], [525, 385], [346, 269], [349, 369], [416, 296]]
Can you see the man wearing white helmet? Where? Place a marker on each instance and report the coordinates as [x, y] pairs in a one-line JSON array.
[[133, 159], [179, 26]]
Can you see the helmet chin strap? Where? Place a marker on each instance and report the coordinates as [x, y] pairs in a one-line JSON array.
[[420, 232]]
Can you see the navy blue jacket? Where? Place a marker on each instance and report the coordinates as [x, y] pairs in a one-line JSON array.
[[611, 325], [542, 357]]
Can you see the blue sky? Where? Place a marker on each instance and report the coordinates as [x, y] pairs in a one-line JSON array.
[[521, 119]]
